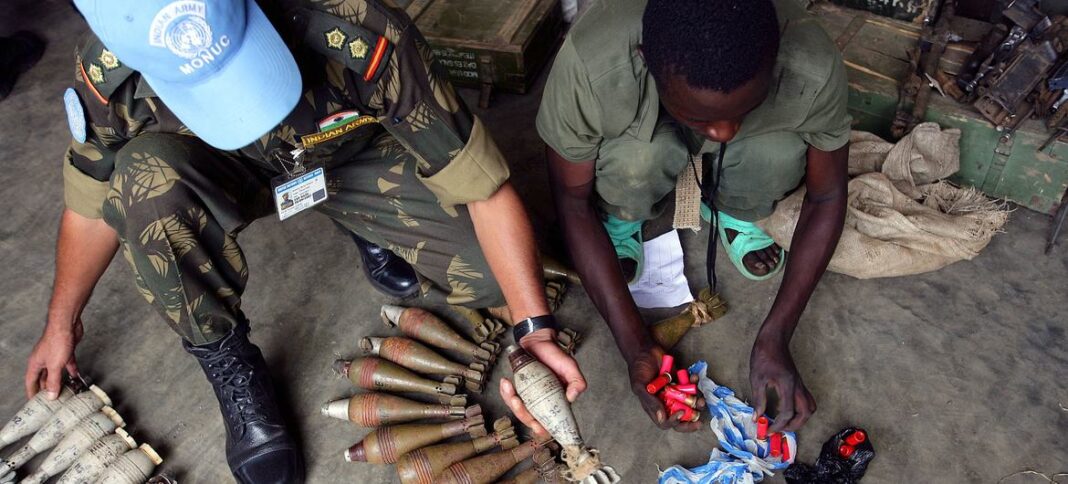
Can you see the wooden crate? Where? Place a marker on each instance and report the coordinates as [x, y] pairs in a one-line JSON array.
[[1011, 167], [484, 43]]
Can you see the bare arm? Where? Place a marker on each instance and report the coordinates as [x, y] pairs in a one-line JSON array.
[[597, 264], [507, 239], [815, 238], [84, 250]]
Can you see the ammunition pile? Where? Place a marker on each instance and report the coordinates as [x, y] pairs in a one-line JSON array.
[[86, 438], [402, 436], [676, 390]]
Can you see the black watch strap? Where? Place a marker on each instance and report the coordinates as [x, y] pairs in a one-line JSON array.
[[531, 325]]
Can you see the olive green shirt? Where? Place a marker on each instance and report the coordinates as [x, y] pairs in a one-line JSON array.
[[406, 95], [600, 89]]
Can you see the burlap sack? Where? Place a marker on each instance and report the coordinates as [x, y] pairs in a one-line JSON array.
[[901, 220]]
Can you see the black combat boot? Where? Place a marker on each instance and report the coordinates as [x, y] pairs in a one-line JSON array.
[[388, 272], [259, 448]]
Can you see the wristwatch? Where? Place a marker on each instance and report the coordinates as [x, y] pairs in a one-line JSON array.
[[531, 325]]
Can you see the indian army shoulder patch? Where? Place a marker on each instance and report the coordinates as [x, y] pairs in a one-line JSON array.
[[108, 60], [335, 39], [358, 48]]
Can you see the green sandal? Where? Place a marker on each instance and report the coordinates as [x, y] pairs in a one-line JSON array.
[[749, 238], [627, 239]]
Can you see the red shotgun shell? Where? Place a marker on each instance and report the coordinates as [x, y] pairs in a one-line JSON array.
[[762, 428], [846, 451], [856, 438], [684, 376], [785, 449], [666, 364], [776, 444], [658, 383], [674, 394], [689, 389]]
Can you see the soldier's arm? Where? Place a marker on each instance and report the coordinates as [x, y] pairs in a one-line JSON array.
[[84, 250]]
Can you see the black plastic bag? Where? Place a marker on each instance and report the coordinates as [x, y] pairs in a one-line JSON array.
[[831, 467]]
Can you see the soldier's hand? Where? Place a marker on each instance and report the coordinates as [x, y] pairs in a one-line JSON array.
[[541, 344], [52, 354]]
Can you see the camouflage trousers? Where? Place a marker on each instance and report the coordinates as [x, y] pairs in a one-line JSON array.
[[178, 205]]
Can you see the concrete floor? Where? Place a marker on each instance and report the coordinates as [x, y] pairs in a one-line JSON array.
[[959, 375]]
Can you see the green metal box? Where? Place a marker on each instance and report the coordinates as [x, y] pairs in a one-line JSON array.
[[1005, 166], [484, 43]]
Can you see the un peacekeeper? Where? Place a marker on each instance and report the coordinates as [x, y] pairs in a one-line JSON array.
[[753, 89], [191, 119]]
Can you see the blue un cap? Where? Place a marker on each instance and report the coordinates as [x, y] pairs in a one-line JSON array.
[[219, 65]]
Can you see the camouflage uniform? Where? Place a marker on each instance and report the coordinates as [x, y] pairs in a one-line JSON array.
[[399, 171]]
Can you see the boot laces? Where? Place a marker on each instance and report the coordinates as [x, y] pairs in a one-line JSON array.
[[241, 398]]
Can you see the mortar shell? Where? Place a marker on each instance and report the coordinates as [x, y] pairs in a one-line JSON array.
[[133, 467], [61, 423], [486, 469], [424, 326], [91, 463], [374, 409], [423, 465], [32, 416], [416, 357], [388, 444], [371, 373], [80, 438], [544, 396]]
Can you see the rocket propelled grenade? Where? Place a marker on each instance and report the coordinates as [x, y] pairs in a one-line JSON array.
[[370, 373], [543, 395], [91, 463], [385, 445], [32, 416], [423, 466], [375, 409], [416, 357], [420, 324]]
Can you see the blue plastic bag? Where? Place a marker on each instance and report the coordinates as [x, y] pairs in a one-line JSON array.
[[743, 459]]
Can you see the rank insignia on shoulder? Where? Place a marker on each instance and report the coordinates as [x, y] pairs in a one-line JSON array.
[[335, 39], [96, 74], [108, 60], [358, 48]]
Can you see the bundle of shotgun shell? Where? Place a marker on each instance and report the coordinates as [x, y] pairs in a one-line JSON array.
[[850, 443], [778, 447], [86, 438], [676, 390]]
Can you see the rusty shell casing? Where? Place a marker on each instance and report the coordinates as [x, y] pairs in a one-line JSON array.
[[416, 357], [486, 469], [529, 476], [385, 445], [374, 409], [420, 324], [32, 416], [91, 463], [423, 465], [80, 438], [543, 394], [370, 373], [133, 467]]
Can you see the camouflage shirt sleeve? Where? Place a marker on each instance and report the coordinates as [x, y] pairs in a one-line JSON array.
[[458, 160], [117, 105]]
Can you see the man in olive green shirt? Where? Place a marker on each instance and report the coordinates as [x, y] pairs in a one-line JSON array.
[[752, 88]]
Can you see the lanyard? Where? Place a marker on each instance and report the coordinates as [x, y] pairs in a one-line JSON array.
[[709, 187]]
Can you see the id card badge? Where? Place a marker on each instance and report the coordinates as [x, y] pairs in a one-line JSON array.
[[298, 192]]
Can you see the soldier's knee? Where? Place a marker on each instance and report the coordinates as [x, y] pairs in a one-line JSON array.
[[145, 182]]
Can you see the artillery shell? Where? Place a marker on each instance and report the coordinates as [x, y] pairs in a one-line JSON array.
[[424, 326], [133, 467], [370, 373], [70, 414], [487, 468], [91, 463], [388, 444], [80, 438], [416, 357], [486, 328], [374, 409], [553, 269], [422, 466], [32, 416]]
